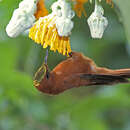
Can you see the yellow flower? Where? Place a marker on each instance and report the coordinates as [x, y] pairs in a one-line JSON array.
[[44, 32], [54, 30]]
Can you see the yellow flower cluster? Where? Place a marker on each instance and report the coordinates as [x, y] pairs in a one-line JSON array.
[[44, 32]]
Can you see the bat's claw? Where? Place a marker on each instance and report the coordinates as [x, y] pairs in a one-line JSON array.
[[70, 54], [75, 54]]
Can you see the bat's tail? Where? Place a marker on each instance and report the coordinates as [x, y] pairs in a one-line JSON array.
[[103, 79]]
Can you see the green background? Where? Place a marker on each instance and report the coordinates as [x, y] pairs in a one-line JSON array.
[[22, 107]]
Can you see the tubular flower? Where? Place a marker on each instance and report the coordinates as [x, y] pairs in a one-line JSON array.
[[23, 17], [41, 10], [79, 7], [109, 1], [54, 30], [97, 22]]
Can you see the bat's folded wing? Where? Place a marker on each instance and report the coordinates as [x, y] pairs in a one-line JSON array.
[[82, 79]]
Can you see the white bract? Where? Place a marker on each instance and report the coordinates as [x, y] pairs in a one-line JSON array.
[[97, 22], [92, 1], [23, 18], [64, 15]]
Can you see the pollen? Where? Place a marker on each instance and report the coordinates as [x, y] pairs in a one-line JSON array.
[[41, 9], [44, 32]]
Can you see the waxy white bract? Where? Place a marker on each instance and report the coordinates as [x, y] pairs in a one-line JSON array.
[[23, 18], [64, 15], [97, 22]]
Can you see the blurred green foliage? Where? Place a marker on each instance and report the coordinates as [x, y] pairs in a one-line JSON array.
[[22, 107]]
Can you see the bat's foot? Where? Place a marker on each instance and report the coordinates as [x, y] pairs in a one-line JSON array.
[[75, 54], [70, 54]]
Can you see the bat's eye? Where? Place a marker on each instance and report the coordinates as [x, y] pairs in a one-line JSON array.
[[47, 75]]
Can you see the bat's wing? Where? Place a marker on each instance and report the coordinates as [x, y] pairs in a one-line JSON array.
[[125, 73], [93, 79], [102, 79]]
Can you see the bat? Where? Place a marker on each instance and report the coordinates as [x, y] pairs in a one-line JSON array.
[[76, 71]]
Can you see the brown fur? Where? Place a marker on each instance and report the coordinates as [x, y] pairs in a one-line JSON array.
[[77, 71]]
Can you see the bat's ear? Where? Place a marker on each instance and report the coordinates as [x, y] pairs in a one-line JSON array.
[[40, 74]]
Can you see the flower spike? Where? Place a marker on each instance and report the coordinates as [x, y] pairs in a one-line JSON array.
[[97, 22], [54, 30]]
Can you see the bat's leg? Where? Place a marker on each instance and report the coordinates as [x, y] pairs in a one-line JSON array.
[[46, 57], [47, 69]]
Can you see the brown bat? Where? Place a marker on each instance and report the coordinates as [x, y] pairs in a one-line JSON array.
[[76, 71]]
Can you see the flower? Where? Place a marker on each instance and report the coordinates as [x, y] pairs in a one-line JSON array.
[[109, 2], [41, 10], [54, 30], [97, 22], [23, 17], [79, 6]]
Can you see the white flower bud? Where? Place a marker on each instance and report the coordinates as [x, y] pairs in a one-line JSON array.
[[64, 14], [64, 26], [97, 22], [23, 18]]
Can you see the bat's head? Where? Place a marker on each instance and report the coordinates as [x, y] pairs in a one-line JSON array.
[[41, 74]]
